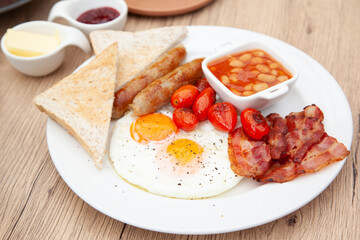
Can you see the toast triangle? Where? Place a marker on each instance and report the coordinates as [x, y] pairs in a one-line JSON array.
[[137, 50], [82, 102]]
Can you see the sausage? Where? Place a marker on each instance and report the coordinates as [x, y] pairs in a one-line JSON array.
[[158, 93], [163, 65]]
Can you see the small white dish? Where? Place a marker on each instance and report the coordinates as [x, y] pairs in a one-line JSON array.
[[49, 62], [258, 100], [71, 10]]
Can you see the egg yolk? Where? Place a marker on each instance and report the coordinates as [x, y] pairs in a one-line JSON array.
[[152, 127], [185, 150]]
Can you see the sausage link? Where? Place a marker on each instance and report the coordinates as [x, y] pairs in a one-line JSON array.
[[163, 65], [158, 93]]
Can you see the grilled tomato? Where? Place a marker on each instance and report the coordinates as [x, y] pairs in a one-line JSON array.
[[254, 123]]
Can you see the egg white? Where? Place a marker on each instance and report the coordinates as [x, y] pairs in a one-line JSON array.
[[148, 166]]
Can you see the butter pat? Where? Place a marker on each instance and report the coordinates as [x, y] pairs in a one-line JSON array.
[[26, 44]]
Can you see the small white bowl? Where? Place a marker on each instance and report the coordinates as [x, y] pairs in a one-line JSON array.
[[71, 10], [49, 62], [258, 100]]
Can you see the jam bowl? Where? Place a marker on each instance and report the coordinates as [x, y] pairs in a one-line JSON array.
[[249, 75], [101, 10]]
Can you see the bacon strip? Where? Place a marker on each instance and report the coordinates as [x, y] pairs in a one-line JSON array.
[[281, 173], [324, 153], [276, 137], [321, 154], [248, 158], [305, 129]]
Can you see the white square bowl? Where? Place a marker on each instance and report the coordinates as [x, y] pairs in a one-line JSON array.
[[258, 100]]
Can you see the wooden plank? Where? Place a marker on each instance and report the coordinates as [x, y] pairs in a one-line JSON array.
[[35, 203]]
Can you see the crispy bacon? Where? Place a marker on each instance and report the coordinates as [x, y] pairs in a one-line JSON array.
[[295, 145], [281, 173], [248, 158], [321, 154], [304, 129], [324, 153], [276, 137]]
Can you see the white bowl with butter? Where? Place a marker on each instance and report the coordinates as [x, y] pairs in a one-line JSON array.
[[71, 10], [33, 49]]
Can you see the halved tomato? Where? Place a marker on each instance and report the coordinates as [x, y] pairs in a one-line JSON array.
[[223, 116], [184, 96], [254, 123], [203, 102], [185, 119]]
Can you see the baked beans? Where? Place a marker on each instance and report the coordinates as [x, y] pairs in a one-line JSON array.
[[249, 72]]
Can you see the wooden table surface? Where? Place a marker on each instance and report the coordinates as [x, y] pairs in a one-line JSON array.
[[35, 203]]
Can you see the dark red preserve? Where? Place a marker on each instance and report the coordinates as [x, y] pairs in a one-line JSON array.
[[98, 15]]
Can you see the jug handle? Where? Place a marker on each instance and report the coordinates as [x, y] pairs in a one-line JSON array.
[[77, 38], [59, 10]]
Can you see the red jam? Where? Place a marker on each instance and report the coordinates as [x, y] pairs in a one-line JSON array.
[[98, 15]]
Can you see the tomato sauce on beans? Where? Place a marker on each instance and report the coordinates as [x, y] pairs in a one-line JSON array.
[[249, 72]]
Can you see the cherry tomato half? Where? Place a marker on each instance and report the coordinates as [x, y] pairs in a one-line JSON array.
[[185, 119], [203, 102], [223, 116], [184, 96], [202, 84], [254, 123]]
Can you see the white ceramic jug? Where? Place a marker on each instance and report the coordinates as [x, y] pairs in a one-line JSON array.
[[71, 10]]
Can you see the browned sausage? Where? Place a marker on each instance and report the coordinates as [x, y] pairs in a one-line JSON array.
[[163, 65], [158, 93]]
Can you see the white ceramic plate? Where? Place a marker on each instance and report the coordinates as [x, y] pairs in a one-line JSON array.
[[247, 205]]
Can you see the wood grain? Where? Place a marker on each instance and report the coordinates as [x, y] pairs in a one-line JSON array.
[[35, 203]]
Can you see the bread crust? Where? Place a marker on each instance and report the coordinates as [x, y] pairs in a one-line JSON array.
[[82, 103], [137, 50]]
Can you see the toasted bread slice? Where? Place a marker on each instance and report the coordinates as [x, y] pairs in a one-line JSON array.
[[137, 49], [82, 102]]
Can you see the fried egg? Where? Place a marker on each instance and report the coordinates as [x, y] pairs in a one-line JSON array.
[[152, 153]]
